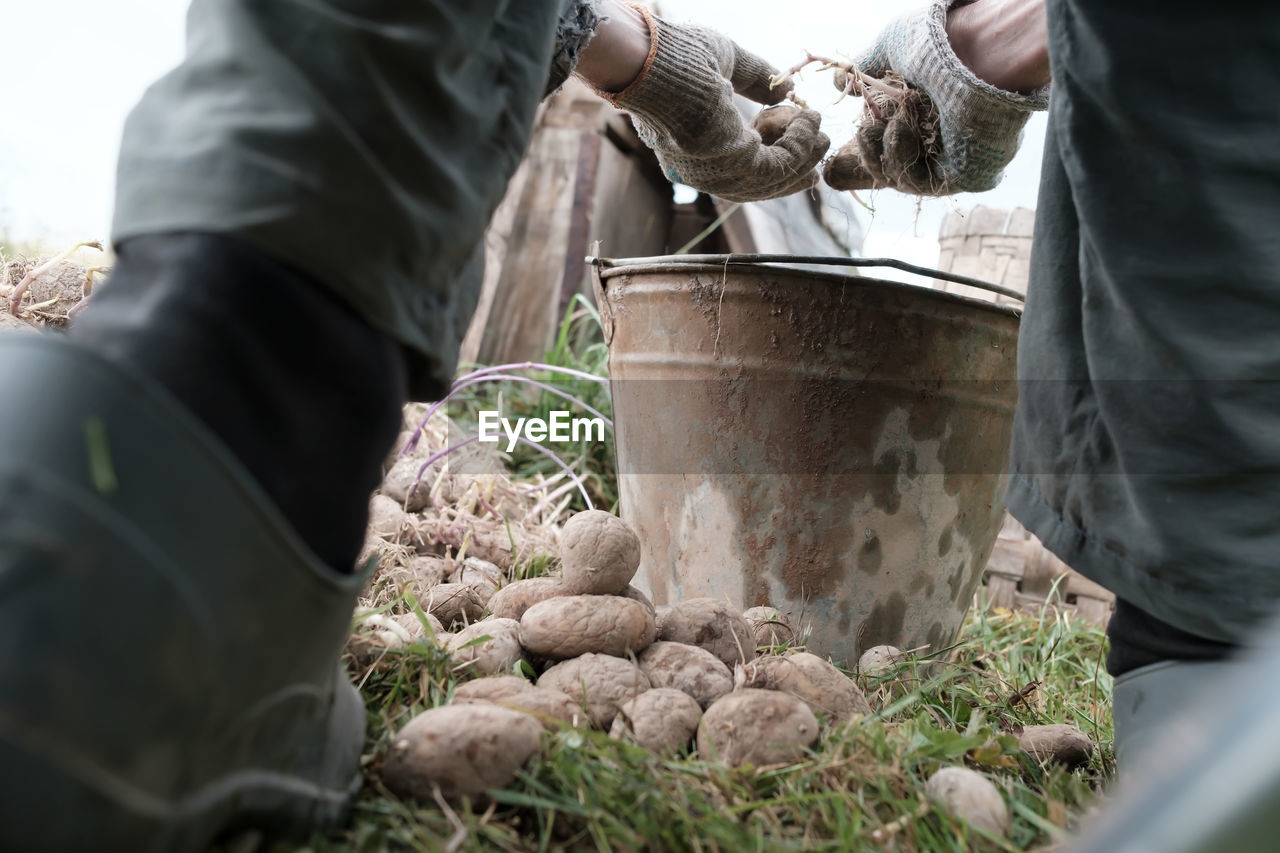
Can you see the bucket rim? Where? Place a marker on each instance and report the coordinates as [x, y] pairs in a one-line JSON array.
[[607, 268]]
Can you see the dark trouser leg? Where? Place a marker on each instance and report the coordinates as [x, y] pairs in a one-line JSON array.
[[186, 678], [1139, 639], [303, 392]]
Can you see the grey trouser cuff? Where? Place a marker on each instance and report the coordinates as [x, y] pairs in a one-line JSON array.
[[365, 144]]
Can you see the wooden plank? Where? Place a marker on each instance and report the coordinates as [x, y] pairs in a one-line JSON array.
[[496, 240], [578, 187], [631, 212], [1001, 592], [522, 317], [1022, 573], [580, 219]]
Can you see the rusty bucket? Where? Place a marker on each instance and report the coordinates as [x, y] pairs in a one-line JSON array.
[[832, 445]]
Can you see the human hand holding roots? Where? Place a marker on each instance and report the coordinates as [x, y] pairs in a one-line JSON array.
[[897, 143]]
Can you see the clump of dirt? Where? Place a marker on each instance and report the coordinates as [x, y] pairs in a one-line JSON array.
[[897, 143], [46, 292]]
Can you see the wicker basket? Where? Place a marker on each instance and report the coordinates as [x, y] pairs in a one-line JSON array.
[[1022, 574]]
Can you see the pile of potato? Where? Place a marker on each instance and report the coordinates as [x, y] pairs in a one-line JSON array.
[[698, 673]]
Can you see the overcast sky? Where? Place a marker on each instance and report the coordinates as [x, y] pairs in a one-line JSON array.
[[71, 69]]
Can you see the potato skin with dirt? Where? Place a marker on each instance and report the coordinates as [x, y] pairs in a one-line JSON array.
[[573, 625], [403, 485], [387, 519], [713, 625], [547, 706], [452, 603], [690, 669], [772, 123], [492, 687], [969, 796], [878, 660], [417, 631], [770, 627], [636, 595], [661, 720], [1058, 743], [512, 600], [601, 683], [376, 634], [497, 654], [757, 727], [808, 677], [465, 749], [599, 553], [478, 573]]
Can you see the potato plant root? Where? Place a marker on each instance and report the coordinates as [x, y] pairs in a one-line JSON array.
[[897, 142]]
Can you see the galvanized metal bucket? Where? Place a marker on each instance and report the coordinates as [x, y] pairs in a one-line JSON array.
[[832, 445]]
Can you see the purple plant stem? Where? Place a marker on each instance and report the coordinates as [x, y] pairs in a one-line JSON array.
[[475, 377], [577, 481], [522, 440], [530, 365], [524, 380]]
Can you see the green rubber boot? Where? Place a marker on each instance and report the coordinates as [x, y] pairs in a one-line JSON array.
[[168, 646]]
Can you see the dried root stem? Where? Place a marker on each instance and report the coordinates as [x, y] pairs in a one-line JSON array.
[[15, 297], [858, 81]]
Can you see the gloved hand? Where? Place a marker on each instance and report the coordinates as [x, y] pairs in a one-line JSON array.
[[682, 106], [957, 138]]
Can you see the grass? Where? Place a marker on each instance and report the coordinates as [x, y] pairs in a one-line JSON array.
[[860, 788], [579, 345]]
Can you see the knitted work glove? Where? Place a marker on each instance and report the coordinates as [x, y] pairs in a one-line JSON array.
[[932, 127], [682, 106]]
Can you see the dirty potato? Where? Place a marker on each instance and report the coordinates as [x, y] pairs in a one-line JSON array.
[[416, 574], [969, 796], [488, 647], [404, 485], [878, 660], [771, 628], [756, 727], [412, 624], [713, 625], [808, 677], [1058, 743], [636, 595], [772, 123], [476, 572], [374, 636], [549, 707], [493, 687], [601, 683], [453, 603], [515, 598], [465, 749], [387, 519], [661, 720], [599, 552], [573, 625], [883, 676], [689, 669]]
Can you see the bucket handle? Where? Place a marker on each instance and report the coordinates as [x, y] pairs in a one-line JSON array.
[[600, 264], [597, 266]]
